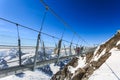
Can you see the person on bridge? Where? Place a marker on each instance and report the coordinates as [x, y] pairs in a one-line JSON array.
[[77, 50]]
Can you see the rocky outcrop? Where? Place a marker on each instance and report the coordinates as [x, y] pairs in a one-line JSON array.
[[64, 73], [81, 68]]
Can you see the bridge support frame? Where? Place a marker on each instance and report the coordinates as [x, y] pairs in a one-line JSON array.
[[59, 48], [19, 46], [70, 48], [44, 51], [36, 51], [20, 53], [65, 50]]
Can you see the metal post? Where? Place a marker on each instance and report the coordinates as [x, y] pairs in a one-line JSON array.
[[65, 50], [36, 52], [76, 50], [55, 45], [38, 39], [70, 49], [81, 49], [54, 42], [71, 44], [20, 53], [44, 51], [59, 47], [19, 46]]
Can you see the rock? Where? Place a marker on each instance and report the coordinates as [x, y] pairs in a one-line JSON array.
[[93, 61]]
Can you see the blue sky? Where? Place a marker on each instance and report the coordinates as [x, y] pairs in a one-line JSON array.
[[94, 20]]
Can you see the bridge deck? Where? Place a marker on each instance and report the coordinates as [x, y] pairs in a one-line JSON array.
[[19, 69]]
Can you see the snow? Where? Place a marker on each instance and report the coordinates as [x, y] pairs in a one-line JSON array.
[[81, 64], [10, 55], [54, 68], [27, 55], [7, 52], [103, 73], [113, 50], [110, 69], [118, 43], [29, 75], [96, 50], [98, 56]]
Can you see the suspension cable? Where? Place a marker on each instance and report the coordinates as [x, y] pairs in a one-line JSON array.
[[72, 38], [38, 40], [18, 32], [65, 24], [77, 43], [54, 42], [112, 71], [63, 33], [19, 25], [43, 20]]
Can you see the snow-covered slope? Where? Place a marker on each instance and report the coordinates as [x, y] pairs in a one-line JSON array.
[[110, 70], [81, 68]]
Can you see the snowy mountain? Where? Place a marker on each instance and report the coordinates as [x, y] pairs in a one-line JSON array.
[[103, 61]]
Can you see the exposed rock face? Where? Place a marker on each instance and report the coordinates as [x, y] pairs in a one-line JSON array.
[[80, 68], [65, 73]]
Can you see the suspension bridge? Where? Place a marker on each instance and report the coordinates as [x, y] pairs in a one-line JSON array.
[[31, 57]]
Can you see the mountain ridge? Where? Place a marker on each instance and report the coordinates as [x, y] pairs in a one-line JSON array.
[[92, 61]]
